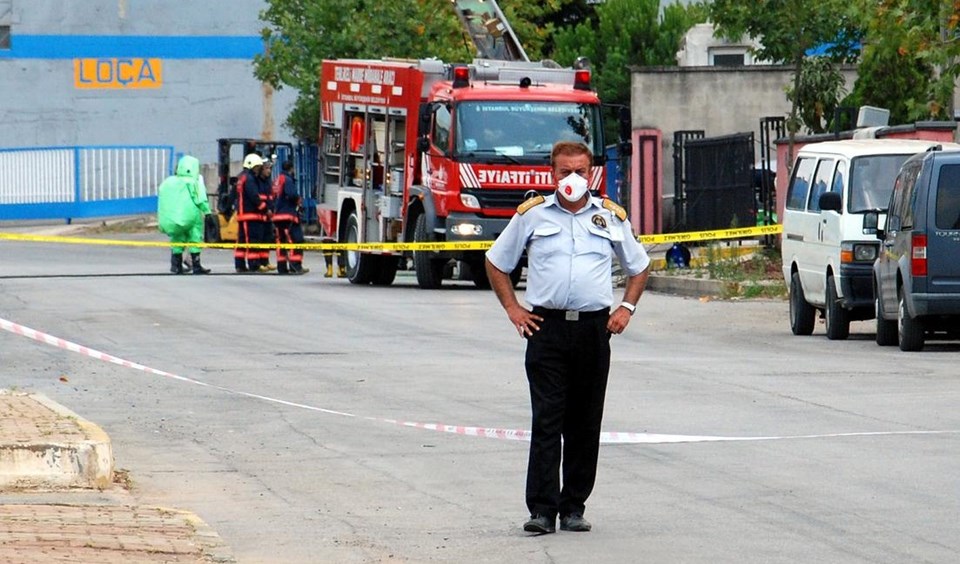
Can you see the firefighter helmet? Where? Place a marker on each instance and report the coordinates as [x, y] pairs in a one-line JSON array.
[[252, 160]]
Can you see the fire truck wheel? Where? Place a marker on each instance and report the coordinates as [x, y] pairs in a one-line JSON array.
[[360, 266], [386, 270], [478, 273], [429, 269]]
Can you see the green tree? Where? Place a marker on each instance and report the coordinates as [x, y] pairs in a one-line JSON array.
[[786, 30], [891, 73], [819, 91], [299, 34], [933, 33], [626, 33]]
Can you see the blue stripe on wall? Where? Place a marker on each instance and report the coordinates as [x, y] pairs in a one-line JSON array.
[[145, 46]]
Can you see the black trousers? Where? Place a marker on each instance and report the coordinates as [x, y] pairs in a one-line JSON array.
[[567, 364], [289, 232]]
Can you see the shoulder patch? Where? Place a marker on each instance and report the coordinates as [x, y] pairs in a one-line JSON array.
[[615, 208], [530, 203]]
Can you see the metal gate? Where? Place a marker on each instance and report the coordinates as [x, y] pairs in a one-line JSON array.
[[680, 140], [718, 184]]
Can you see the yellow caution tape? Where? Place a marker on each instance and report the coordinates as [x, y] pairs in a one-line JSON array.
[[388, 247], [712, 235]]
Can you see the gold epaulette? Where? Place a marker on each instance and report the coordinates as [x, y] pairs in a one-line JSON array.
[[615, 208], [530, 203]]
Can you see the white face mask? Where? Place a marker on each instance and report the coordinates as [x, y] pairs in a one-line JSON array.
[[572, 187]]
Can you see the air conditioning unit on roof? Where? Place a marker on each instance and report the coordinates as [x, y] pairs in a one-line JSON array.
[[870, 116]]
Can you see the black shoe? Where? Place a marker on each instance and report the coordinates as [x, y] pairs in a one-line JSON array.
[[176, 263], [197, 267], [540, 524], [575, 522]]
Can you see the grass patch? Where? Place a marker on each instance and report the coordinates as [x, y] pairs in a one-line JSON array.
[[756, 274]]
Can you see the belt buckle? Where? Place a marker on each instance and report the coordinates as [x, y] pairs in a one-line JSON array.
[[571, 315]]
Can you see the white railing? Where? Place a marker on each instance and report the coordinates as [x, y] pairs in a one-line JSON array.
[[78, 181]]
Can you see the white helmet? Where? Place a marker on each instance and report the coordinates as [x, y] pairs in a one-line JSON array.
[[252, 160]]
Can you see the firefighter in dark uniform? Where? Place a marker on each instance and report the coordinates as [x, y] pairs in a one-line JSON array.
[[570, 239], [251, 215], [265, 179], [286, 221]]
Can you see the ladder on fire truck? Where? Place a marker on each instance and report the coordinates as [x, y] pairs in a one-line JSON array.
[[488, 28]]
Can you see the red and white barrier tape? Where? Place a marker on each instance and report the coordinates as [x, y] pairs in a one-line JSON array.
[[486, 432]]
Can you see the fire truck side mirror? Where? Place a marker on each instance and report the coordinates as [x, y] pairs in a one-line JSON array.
[[423, 144], [426, 116], [626, 125]]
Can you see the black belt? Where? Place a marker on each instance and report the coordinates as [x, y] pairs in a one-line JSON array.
[[570, 315]]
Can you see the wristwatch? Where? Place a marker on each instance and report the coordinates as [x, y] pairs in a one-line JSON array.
[[629, 307]]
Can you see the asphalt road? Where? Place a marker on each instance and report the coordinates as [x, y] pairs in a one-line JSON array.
[[292, 418]]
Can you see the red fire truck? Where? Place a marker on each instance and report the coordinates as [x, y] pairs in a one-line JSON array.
[[423, 151]]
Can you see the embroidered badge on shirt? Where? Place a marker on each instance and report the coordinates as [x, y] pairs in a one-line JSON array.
[[598, 220]]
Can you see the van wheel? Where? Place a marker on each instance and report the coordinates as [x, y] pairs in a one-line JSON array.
[[802, 314], [886, 330], [838, 319], [910, 330]]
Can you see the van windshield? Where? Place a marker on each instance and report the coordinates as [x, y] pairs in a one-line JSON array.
[[871, 181]]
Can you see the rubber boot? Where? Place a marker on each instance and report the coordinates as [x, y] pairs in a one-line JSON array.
[[176, 263], [329, 272], [197, 267]]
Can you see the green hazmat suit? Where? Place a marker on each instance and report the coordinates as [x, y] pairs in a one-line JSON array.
[[182, 205]]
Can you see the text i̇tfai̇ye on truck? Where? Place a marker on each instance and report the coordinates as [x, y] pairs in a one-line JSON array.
[[423, 151]]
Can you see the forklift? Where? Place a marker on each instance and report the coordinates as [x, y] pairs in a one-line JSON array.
[[230, 154]]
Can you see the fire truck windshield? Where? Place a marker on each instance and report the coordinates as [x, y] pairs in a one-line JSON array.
[[504, 131]]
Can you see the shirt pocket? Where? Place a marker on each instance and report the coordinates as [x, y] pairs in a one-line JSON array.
[[546, 240], [601, 240]]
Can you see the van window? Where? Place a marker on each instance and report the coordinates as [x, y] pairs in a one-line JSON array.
[[871, 181], [838, 177], [948, 197], [905, 204], [823, 179], [800, 186]]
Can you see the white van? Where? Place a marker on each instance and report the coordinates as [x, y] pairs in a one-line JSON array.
[[828, 251]]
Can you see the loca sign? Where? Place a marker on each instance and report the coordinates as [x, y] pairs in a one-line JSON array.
[[117, 73]]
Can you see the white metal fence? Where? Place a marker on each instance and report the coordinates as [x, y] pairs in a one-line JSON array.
[[89, 181]]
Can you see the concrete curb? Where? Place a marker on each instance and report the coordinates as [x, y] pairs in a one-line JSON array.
[[40, 458], [683, 286]]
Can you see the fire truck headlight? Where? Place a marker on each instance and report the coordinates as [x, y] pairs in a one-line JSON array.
[[467, 229], [470, 201]]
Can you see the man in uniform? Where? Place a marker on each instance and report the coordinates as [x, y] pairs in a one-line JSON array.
[[251, 216], [570, 239], [286, 220]]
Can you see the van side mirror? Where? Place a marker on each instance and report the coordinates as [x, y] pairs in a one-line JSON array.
[[830, 201], [893, 223], [871, 222]]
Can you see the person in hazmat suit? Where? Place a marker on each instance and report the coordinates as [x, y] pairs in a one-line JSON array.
[[181, 208]]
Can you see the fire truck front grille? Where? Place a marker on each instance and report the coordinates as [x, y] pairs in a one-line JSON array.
[[501, 199]]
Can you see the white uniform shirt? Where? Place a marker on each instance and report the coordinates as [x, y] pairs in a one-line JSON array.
[[569, 256]]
